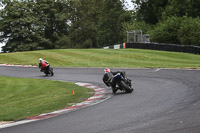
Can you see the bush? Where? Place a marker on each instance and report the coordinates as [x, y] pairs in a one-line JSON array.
[[166, 31], [63, 42], [177, 30], [189, 32]]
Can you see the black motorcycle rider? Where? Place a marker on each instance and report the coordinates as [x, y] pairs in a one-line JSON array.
[[108, 78]]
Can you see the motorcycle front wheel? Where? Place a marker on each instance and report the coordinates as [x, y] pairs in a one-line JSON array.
[[51, 71]]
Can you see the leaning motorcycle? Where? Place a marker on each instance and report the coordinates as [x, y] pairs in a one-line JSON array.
[[119, 81], [48, 71]]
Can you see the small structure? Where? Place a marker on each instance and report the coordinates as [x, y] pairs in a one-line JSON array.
[[146, 38], [136, 36]]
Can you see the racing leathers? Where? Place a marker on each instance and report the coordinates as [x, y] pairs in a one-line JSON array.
[[108, 79], [43, 65]]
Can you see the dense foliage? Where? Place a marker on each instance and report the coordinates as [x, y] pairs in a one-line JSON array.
[[178, 30], [173, 21], [47, 24], [33, 24]]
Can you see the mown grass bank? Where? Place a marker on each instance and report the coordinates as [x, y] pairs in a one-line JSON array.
[[21, 98], [122, 58]]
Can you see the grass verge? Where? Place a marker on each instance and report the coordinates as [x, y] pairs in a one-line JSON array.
[[21, 98], [122, 58]]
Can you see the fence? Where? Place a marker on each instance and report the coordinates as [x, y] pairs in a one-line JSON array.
[[165, 47], [159, 46], [118, 46]]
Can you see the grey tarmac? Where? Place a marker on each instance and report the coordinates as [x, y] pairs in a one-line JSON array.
[[164, 101]]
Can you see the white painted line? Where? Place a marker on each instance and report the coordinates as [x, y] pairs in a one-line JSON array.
[[15, 123], [12, 65], [157, 70]]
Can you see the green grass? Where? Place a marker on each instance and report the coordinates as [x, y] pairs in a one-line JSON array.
[[21, 98], [122, 58]]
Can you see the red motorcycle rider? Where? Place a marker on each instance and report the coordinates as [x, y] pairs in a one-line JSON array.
[[43, 64]]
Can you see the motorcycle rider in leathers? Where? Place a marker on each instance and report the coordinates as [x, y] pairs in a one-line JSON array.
[[108, 79], [43, 64]]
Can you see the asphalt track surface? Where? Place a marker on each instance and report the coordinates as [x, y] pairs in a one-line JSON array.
[[164, 101]]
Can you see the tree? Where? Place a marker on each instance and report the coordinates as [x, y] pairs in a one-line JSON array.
[[54, 14], [47, 24], [177, 30], [166, 31], [153, 11], [18, 26], [174, 21], [149, 11], [110, 25], [189, 32], [33, 24], [182, 8], [84, 18]]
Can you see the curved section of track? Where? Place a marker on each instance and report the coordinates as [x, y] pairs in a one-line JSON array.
[[163, 101]]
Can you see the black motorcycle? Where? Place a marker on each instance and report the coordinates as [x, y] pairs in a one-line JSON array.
[[118, 80], [48, 71]]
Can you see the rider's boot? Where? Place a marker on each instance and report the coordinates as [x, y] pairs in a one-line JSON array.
[[114, 89]]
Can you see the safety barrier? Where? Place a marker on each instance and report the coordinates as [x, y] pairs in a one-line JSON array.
[[118, 46], [159, 46], [165, 47]]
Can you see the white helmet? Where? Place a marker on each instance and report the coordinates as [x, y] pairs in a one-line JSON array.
[[40, 59]]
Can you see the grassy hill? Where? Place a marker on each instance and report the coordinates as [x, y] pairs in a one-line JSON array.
[[122, 58]]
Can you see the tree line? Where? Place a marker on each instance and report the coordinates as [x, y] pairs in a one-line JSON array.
[[48, 24], [168, 21]]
